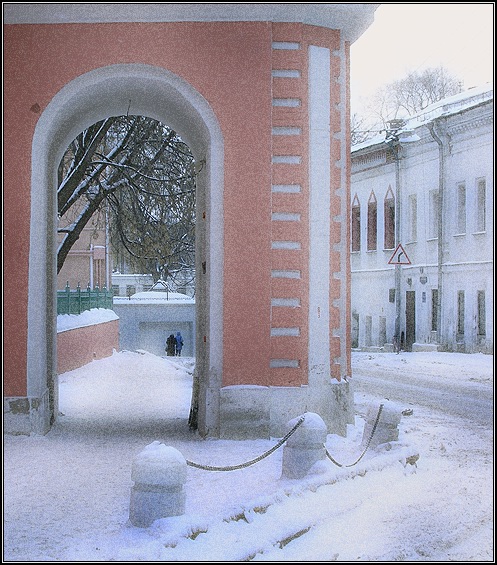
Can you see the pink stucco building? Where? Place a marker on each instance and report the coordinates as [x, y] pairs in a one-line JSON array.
[[260, 92]]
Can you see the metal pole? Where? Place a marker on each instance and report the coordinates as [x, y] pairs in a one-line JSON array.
[[396, 148]]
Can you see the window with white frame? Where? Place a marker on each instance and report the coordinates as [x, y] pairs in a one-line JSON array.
[[460, 312], [481, 193], [356, 224], [389, 219], [372, 222], [434, 309], [481, 318], [433, 214], [413, 217], [461, 208]]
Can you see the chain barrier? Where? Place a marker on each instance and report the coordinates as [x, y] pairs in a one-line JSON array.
[[248, 463], [280, 443], [367, 444]]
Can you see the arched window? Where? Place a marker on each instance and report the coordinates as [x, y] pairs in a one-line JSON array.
[[356, 224], [372, 222], [389, 217]]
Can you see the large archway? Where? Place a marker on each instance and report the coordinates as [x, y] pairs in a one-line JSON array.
[[112, 91]]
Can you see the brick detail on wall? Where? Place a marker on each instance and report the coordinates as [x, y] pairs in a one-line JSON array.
[[289, 207]]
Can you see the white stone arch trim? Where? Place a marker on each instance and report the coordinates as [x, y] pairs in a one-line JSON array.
[[112, 91], [389, 194], [372, 198]]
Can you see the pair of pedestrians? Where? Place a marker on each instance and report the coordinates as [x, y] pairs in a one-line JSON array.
[[174, 345]]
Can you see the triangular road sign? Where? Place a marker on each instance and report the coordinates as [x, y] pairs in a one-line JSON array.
[[399, 257]]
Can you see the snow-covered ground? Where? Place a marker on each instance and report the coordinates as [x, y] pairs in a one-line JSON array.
[[67, 494]]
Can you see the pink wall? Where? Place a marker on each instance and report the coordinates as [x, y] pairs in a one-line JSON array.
[[297, 347], [79, 346], [40, 59]]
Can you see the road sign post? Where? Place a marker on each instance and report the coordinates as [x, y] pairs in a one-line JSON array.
[[398, 258]]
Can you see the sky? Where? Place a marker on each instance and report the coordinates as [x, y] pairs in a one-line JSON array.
[[67, 494], [414, 36]]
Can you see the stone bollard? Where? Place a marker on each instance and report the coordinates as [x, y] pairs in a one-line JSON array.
[[305, 447], [159, 473], [387, 429]]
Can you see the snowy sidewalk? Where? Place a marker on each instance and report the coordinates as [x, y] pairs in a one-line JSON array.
[[67, 494]]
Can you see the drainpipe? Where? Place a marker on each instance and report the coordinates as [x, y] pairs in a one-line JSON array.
[[440, 231]]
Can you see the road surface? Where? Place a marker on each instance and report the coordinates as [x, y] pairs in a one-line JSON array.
[[441, 386]]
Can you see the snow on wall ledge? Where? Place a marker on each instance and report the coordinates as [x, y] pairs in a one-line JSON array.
[[87, 318], [81, 338]]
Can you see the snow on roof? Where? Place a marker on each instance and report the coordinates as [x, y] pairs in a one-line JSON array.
[[452, 105], [445, 107]]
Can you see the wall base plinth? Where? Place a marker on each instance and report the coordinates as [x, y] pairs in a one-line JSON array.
[[24, 415], [258, 412]]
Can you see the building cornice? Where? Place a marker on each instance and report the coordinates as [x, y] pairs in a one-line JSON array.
[[351, 19], [469, 125]]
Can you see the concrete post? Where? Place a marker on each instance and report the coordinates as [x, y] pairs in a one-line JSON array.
[[159, 473], [387, 429], [305, 447]]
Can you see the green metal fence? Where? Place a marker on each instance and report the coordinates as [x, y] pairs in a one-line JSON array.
[[77, 301]]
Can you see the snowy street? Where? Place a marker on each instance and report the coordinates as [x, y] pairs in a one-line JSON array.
[[455, 389], [67, 494]]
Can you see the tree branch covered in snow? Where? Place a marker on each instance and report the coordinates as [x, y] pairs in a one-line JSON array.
[[140, 176]]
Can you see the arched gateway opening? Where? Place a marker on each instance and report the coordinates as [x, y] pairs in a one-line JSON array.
[[117, 90]]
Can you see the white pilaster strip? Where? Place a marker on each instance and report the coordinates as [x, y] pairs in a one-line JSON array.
[[344, 218], [319, 213]]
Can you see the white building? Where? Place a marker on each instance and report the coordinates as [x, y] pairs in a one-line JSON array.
[[146, 319], [127, 284], [426, 185], [124, 284]]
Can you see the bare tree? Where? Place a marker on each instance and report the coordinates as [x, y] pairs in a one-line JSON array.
[[359, 131], [140, 174], [402, 99], [412, 94]]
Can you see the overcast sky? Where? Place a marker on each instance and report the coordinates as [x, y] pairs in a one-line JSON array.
[[408, 37]]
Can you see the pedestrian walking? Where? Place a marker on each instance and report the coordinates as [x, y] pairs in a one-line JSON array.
[[396, 344], [179, 343], [171, 345]]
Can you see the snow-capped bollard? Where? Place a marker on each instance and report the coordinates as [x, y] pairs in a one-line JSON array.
[[159, 473], [305, 447], [387, 428]]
